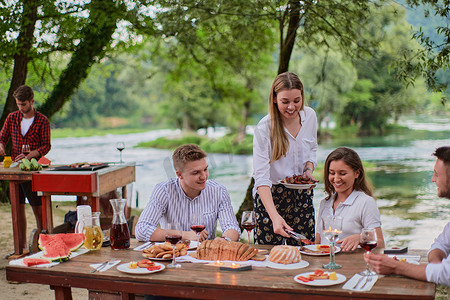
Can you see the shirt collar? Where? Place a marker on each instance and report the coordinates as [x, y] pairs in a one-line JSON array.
[[302, 116], [184, 194]]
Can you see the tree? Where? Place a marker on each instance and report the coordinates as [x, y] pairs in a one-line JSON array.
[[434, 57]]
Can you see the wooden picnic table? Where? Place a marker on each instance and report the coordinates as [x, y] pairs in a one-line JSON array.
[[91, 184], [199, 281]]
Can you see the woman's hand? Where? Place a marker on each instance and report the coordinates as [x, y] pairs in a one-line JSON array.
[[279, 224], [350, 243], [308, 175]]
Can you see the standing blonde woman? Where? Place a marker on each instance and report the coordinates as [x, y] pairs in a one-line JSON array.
[[284, 144]]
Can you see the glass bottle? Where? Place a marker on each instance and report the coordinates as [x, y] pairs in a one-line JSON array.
[[120, 234], [90, 226]]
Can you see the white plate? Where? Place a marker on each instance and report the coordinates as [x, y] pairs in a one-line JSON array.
[[124, 268], [298, 186], [299, 265], [412, 259], [321, 282], [313, 248], [193, 245], [157, 259]]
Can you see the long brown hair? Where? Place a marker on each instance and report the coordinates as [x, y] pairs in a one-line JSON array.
[[350, 158], [278, 137]]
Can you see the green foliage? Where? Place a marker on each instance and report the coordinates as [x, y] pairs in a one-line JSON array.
[[225, 144]]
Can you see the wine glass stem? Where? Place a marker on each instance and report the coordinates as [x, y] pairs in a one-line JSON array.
[[120, 156], [367, 264], [249, 241], [173, 256], [198, 239], [332, 253]]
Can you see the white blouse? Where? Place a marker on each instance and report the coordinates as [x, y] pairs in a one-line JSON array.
[[302, 149], [358, 211]]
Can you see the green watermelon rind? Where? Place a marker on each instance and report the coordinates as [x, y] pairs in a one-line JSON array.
[[63, 244]]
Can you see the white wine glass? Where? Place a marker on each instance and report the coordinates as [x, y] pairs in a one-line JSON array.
[[332, 227]]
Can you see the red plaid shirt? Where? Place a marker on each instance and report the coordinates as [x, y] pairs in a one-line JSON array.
[[38, 136]]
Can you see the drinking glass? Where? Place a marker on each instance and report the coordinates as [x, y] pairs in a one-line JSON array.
[[332, 227], [197, 225], [120, 146], [248, 222], [368, 241], [25, 149], [173, 236]]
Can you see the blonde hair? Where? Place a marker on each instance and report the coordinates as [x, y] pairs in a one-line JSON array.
[[278, 137]]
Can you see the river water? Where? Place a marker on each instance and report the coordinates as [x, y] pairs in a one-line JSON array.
[[412, 214]]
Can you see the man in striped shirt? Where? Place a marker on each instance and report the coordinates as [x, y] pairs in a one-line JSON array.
[[190, 194]]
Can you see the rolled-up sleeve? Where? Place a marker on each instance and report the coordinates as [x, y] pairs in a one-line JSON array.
[[439, 273], [152, 214], [226, 214], [261, 158]]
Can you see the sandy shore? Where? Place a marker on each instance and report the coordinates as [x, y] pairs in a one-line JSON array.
[[26, 290]]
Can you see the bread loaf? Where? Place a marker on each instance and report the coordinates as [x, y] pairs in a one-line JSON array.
[[222, 249], [285, 255]]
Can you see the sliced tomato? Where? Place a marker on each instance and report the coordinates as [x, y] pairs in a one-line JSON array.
[[318, 272], [153, 268], [304, 279]]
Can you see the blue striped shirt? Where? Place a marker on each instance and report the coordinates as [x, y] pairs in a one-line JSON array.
[[169, 204]]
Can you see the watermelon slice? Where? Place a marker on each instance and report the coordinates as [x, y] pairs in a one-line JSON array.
[[44, 161], [57, 247], [35, 261]]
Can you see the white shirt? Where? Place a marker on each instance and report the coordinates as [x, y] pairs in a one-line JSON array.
[[358, 211], [26, 124], [302, 149], [440, 273], [169, 204]]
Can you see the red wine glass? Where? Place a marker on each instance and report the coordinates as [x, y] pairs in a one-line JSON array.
[[173, 236], [26, 149], [368, 241], [248, 222], [197, 225], [120, 146]]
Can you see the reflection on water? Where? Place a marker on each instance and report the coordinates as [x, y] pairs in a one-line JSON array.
[[412, 214]]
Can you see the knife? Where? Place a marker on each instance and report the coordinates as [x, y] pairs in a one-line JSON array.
[[99, 267]]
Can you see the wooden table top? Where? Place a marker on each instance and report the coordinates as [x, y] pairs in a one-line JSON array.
[[202, 281]]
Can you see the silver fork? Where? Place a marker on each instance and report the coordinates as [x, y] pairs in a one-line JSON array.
[[104, 265], [359, 281], [369, 279]]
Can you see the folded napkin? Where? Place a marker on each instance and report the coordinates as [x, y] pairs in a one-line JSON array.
[[188, 258], [143, 246], [106, 267], [350, 285], [19, 262]]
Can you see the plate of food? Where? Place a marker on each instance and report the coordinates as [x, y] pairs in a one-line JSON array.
[[318, 250], [164, 251], [297, 182], [144, 266], [300, 265], [320, 278]]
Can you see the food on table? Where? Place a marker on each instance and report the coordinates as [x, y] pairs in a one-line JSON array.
[[145, 263], [283, 254], [298, 179], [57, 247], [30, 165], [44, 161], [319, 249], [222, 249], [318, 275], [84, 165], [35, 261], [133, 265], [401, 259], [333, 276], [164, 251], [186, 242]]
